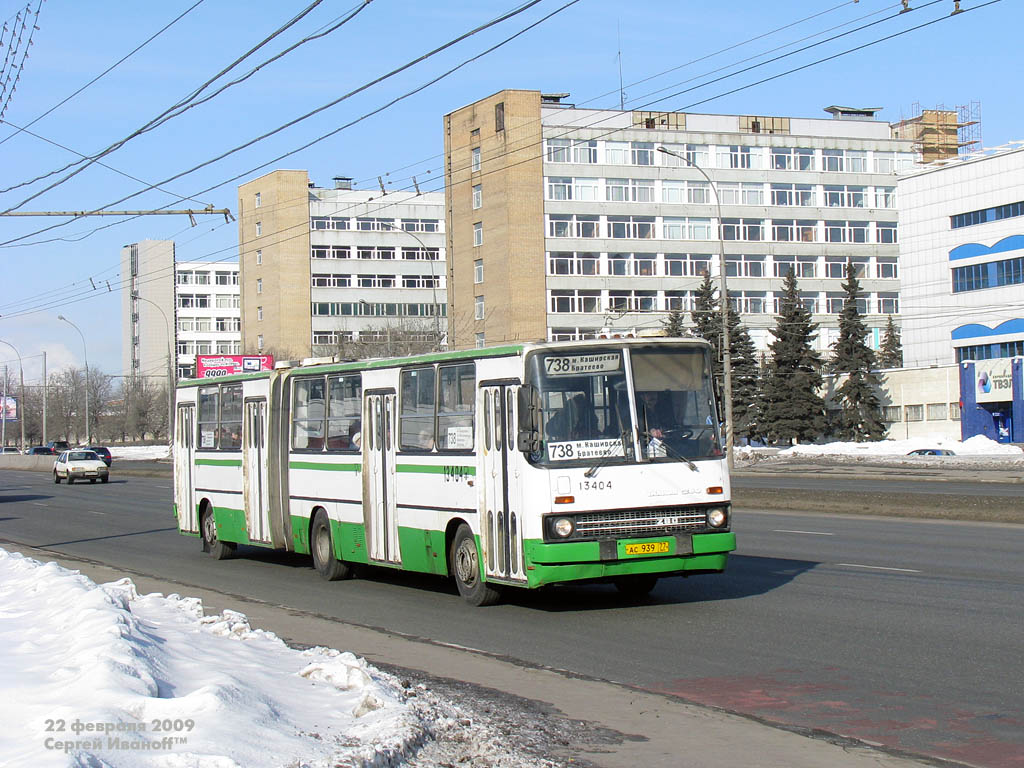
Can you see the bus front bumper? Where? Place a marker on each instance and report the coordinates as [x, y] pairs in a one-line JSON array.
[[548, 563]]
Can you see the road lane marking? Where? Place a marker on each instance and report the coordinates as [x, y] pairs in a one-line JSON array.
[[809, 533], [165, 487], [878, 567], [40, 504]]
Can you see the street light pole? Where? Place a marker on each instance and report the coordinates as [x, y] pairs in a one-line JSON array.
[[724, 299], [21, 407], [85, 353], [171, 379]]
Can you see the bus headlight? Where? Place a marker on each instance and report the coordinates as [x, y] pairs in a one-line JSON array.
[[717, 517], [563, 526]]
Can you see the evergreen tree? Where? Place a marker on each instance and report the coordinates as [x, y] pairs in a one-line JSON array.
[[675, 323], [860, 416], [791, 405], [891, 353], [707, 320], [745, 374]]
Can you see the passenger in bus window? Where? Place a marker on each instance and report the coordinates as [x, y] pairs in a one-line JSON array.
[[355, 437], [575, 421]]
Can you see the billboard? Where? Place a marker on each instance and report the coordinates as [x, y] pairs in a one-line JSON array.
[[9, 408], [215, 366], [993, 381]]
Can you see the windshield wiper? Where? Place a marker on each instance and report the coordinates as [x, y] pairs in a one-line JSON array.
[[605, 458], [671, 452]]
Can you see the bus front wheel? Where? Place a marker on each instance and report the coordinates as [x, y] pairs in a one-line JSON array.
[[219, 550], [327, 565], [636, 586], [465, 567]]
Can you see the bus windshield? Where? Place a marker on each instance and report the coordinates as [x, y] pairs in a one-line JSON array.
[[586, 398]]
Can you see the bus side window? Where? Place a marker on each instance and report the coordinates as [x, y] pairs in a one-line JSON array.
[[456, 406], [209, 409], [344, 399], [416, 423]]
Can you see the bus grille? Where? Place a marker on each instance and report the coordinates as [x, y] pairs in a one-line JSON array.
[[640, 522]]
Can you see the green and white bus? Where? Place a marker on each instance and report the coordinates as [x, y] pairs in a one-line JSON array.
[[512, 466]]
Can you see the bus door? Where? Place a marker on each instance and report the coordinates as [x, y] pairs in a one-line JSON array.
[[254, 470], [500, 484], [184, 466], [380, 434]]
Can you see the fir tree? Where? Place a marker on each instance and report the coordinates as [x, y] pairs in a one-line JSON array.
[[791, 405], [891, 353], [707, 320], [745, 374], [860, 415], [675, 324]]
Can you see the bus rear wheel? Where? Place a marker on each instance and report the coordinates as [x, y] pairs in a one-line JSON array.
[[327, 565], [465, 567], [218, 550]]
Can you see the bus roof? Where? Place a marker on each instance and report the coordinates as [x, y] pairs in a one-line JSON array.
[[331, 366]]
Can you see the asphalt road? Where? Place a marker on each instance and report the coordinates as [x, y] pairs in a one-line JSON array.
[[902, 632]]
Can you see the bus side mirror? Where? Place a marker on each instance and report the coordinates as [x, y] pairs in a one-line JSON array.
[[528, 438], [719, 403]]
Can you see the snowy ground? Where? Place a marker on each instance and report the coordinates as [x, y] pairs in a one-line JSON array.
[[977, 452], [139, 452], [97, 676]]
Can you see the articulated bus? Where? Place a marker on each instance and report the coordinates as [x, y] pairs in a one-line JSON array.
[[513, 466]]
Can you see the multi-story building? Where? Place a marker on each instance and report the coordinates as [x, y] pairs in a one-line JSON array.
[[568, 223], [188, 307], [323, 266], [962, 254]]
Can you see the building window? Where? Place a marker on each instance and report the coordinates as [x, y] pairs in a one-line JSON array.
[[631, 227], [936, 411], [478, 196], [259, 256], [258, 200], [616, 152], [792, 159], [584, 152], [478, 307], [259, 285], [985, 215], [475, 162], [474, 135], [688, 228], [642, 153], [744, 265], [971, 278], [478, 233], [885, 197], [558, 150], [499, 117], [954, 411], [259, 341], [478, 271], [887, 269], [480, 341], [892, 414], [915, 412], [742, 229], [559, 188], [888, 304], [886, 231], [259, 313], [259, 228]]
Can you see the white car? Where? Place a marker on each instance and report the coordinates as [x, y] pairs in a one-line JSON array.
[[79, 464]]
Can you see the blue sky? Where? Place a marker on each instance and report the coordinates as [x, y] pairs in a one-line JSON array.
[[971, 57]]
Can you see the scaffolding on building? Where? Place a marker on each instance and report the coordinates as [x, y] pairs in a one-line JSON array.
[[942, 133]]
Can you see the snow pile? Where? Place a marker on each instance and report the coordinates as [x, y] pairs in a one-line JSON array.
[[140, 452], [101, 676], [979, 445]]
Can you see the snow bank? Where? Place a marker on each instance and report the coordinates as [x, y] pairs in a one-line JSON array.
[[979, 445], [101, 676], [140, 452]]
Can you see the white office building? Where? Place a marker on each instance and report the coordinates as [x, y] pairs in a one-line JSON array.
[[177, 308], [962, 255]]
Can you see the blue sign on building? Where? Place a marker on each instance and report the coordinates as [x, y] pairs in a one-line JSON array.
[[992, 399]]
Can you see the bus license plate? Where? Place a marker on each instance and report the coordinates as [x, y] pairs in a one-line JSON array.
[[648, 548]]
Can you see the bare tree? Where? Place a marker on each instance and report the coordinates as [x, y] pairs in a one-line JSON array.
[[400, 337]]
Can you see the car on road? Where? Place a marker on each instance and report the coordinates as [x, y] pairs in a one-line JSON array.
[[80, 464], [39, 450], [9, 449], [103, 453], [931, 452], [58, 445]]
